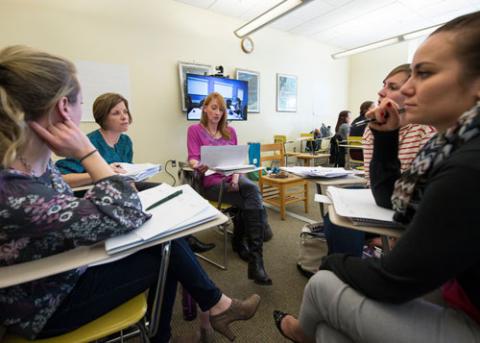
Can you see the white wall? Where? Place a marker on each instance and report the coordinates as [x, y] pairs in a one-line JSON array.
[[368, 70], [151, 36]]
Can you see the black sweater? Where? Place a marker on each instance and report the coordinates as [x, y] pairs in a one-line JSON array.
[[442, 241]]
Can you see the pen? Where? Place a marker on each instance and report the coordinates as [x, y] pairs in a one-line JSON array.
[[164, 200], [372, 120]]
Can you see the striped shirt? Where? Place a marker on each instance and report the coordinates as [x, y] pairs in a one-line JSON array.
[[412, 138]]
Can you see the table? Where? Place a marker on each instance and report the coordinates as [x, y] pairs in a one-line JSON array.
[[383, 232], [86, 255], [309, 157], [338, 182]]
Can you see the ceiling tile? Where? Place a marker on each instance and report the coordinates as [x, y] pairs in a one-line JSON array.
[[347, 23]]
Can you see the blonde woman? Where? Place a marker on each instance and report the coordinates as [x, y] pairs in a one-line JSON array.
[[242, 193], [40, 108]]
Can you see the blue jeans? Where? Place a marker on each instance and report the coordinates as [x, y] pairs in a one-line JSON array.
[[102, 288], [342, 240]]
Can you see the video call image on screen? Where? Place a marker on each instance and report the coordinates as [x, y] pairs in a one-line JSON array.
[[235, 93]]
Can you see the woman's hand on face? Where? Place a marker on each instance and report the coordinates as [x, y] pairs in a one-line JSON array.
[[387, 116], [117, 168], [64, 138]]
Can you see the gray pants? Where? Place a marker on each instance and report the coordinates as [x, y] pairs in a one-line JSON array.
[[333, 312], [248, 196]]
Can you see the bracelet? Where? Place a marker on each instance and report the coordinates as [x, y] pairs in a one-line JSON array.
[[88, 155]]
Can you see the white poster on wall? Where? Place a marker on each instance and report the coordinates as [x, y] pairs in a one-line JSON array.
[[98, 78]]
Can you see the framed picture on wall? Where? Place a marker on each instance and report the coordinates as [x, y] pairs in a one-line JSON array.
[[191, 68], [286, 93], [253, 79]]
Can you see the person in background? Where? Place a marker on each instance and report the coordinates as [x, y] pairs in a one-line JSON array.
[[380, 300], [357, 130], [412, 137], [342, 130], [40, 110], [242, 193], [112, 114]]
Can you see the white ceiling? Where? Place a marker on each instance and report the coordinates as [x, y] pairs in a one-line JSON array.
[[347, 24]]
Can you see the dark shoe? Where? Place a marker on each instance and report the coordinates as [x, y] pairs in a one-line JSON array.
[[198, 246], [256, 270], [278, 317], [238, 310]]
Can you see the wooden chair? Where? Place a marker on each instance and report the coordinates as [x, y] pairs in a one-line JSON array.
[[305, 137], [280, 192], [282, 139]]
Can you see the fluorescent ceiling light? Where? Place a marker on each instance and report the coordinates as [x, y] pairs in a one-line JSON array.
[[389, 41], [420, 33], [267, 17], [370, 46]]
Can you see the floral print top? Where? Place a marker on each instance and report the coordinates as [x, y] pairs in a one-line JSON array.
[[39, 217]]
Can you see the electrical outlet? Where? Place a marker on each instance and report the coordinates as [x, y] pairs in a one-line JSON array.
[[174, 163]]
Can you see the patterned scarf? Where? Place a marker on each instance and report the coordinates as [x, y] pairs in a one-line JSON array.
[[410, 187]]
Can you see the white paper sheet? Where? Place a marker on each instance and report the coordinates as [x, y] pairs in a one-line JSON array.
[[225, 157]]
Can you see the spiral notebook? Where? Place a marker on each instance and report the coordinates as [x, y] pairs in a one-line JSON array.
[[359, 206]]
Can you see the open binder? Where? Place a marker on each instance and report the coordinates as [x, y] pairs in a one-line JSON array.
[[359, 206], [177, 214]]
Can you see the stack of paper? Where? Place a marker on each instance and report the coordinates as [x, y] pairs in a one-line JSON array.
[[225, 158], [359, 205], [318, 172], [140, 171], [179, 213]]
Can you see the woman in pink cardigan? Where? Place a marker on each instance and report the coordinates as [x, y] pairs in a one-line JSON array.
[[241, 192]]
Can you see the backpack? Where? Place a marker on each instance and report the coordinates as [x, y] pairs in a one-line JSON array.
[[312, 248]]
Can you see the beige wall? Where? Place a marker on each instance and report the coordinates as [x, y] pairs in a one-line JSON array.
[[368, 69], [151, 36]]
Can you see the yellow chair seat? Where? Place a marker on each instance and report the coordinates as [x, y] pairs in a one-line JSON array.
[[118, 319], [224, 206]]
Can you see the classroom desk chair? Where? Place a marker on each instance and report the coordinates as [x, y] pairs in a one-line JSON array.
[[127, 315], [194, 179], [282, 139]]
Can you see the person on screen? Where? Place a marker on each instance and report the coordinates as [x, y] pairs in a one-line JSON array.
[[40, 109], [213, 129], [380, 300]]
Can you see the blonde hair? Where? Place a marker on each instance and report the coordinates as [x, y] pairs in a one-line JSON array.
[[103, 105], [31, 83], [222, 124]]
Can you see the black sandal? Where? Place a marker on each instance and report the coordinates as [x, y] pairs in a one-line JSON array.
[[278, 317]]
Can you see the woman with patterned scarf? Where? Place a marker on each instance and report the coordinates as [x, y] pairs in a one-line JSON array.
[[370, 300]]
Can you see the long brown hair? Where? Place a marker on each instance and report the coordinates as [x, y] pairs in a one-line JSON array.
[[342, 119], [31, 83], [222, 124]]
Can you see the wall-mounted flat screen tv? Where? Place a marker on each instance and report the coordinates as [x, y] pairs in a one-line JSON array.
[[235, 93]]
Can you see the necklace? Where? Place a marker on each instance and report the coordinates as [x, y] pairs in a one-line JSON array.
[[27, 165]]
